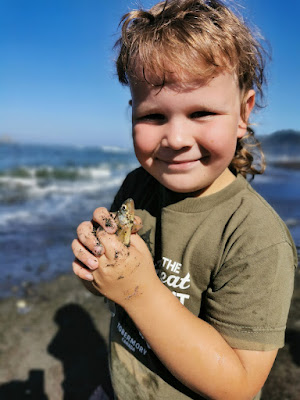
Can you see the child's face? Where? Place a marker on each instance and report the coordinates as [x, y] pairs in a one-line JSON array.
[[186, 139]]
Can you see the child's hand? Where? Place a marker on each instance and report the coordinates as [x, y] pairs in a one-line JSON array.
[[87, 247], [123, 272], [86, 230]]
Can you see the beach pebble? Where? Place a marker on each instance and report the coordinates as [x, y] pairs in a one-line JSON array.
[[22, 307]]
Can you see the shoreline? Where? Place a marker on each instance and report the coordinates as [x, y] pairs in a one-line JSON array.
[[55, 342]]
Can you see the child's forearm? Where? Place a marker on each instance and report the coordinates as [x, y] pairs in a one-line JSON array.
[[193, 351]]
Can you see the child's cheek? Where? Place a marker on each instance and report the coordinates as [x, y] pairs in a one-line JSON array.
[[220, 142], [145, 141]]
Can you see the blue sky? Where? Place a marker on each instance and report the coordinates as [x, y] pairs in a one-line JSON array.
[[57, 78]]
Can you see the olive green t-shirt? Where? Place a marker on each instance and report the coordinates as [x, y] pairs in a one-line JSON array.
[[227, 257]]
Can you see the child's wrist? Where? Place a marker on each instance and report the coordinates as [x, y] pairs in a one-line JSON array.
[[149, 301], [141, 296]]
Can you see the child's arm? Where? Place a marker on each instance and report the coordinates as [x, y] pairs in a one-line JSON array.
[[193, 351]]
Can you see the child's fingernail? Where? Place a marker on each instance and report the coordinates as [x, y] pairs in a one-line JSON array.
[[89, 277], [111, 228], [92, 263], [110, 224], [98, 250]]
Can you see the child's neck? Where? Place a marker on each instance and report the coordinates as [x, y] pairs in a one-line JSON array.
[[225, 179]]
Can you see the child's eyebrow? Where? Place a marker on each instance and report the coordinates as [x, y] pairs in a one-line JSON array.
[[144, 108], [197, 106]]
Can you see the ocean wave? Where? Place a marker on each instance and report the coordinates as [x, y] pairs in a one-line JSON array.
[[115, 149], [56, 173], [27, 183], [44, 204], [19, 190]]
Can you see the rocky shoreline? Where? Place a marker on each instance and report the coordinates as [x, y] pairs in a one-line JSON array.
[[53, 345]]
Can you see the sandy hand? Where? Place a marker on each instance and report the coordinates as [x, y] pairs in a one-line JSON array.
[[87, 248]]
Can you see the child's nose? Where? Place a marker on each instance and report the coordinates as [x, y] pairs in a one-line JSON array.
[[177, 136]]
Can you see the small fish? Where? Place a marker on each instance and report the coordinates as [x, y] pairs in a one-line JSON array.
[[125, 220]]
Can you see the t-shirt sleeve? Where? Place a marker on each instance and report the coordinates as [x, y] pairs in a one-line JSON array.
[[249, 299]]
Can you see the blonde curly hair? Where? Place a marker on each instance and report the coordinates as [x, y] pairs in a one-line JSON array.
[[193, 40]]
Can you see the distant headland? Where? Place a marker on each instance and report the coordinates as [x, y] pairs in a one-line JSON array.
[[282, 137], [282, 148]]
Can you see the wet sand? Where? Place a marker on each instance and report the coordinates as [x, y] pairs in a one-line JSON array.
[[53, 345]]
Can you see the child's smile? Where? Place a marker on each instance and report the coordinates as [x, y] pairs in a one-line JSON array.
[[187, 138]]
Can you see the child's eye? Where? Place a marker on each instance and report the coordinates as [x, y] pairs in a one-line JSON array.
[[152, 117], [202, 114]]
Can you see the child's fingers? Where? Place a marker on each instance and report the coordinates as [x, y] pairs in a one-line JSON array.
[[88, 239], [81, 271], [113, 248], [105, 219], [84, 256]]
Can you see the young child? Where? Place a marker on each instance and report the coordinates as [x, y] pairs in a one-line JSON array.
[[204, 289]]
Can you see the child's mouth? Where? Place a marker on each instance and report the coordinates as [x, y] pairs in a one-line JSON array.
[[183, 165]]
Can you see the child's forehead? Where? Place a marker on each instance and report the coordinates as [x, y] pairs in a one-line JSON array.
[[220, 92], [175, 83], [177, 78]]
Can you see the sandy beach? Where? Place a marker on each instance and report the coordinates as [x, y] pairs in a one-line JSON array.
[[53, 345]]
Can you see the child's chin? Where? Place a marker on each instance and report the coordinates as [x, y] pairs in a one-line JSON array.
[[179, 186]]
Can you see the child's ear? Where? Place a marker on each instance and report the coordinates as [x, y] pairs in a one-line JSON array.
[[246, 108]]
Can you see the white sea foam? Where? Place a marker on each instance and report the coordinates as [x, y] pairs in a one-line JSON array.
[[115, 149], [97, 173], [20, 217], [10, 181]]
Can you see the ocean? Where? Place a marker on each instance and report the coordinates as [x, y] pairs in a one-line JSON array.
[[47, 190]]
